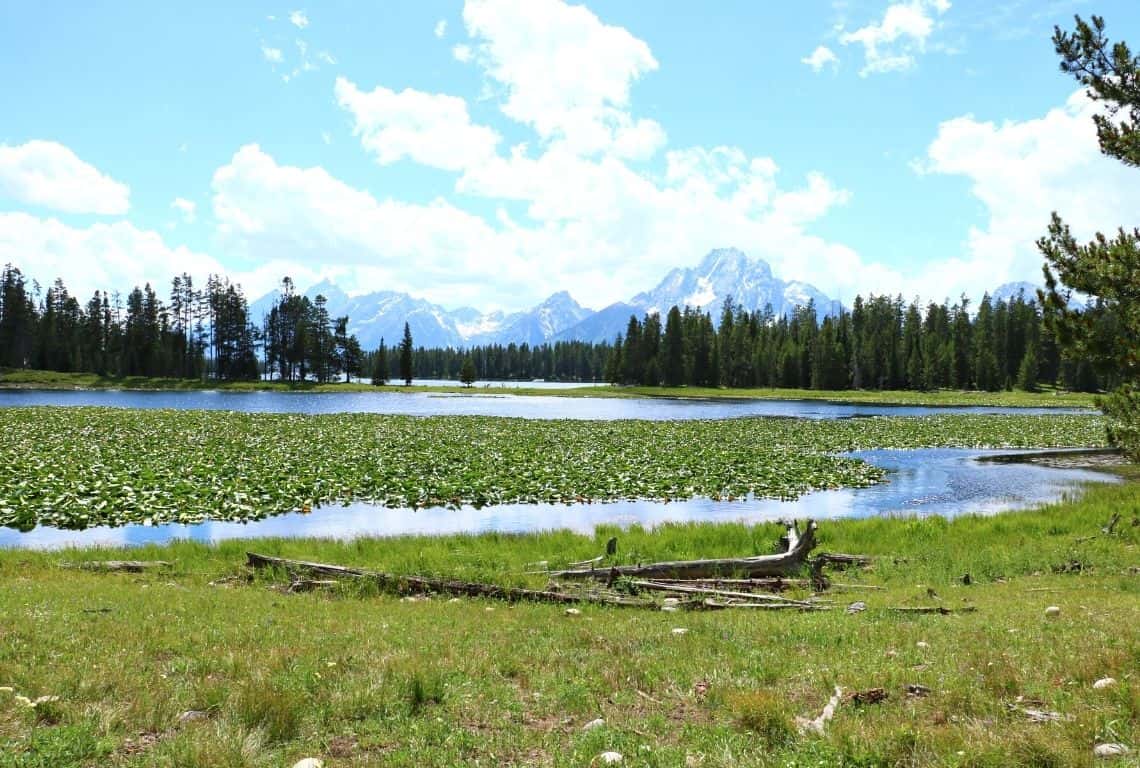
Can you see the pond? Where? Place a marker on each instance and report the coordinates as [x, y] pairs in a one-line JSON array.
[[934, 481], [482, 404]]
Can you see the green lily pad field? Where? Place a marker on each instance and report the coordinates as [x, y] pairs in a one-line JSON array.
[[80, 467]]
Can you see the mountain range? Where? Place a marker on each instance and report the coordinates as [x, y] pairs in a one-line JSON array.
[[722, 273]]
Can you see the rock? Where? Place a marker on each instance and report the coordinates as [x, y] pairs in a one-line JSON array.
[[192, 715], [455, 600], [1110, 750], [680, 631], [671, 600], [669, 608], [309, 762], [610, 758], [593, 724], [573, 612], [857, 607], [922, 644], [7, 689], [1104, 682], [1053, 611]]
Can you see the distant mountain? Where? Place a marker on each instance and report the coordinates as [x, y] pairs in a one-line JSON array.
[[382, 314], [1007, 291], [722, 273]]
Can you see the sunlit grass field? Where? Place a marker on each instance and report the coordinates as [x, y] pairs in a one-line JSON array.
[[359, 678]]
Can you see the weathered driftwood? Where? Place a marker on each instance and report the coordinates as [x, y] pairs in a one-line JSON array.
[[773, 584], [421, 584], [654, 586], [129, 566], [939, 609], [712, 604], [780, 564]]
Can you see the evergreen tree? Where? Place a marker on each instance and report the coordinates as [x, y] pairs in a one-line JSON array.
[[380, 366], [1107, 268], [467, 372], [406, 356], [674, 366]]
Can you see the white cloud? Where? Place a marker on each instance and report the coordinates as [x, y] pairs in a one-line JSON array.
[[891, 44], [440, 28], [1021, 171], [114, 256], [272, 55], [462, 53], [48, 174], [821, 57], [188, 209], [564, 72], [431, 129], [298, 19]]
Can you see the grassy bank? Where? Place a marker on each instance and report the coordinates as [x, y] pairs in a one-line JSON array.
[[25, 379], [365, 679], [78, 467]]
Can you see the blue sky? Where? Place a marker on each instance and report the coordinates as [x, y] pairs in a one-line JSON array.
[[494, 151]]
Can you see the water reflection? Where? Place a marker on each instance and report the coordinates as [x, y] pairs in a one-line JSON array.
[[483, 403], [944, 482]]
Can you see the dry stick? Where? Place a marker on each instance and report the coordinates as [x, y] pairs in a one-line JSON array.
[[817, 725], [420, 584], [714, 605], [655, 586], [763, 565], [932, 609], [1107, 530], [129, 566]]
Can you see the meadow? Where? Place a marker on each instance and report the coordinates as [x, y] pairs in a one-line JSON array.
[[206, 664]]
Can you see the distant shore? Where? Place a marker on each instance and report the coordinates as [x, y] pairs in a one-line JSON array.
[[34, 379]]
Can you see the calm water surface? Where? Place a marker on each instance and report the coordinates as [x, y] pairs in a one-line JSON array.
[[483, 403], [923, 482]]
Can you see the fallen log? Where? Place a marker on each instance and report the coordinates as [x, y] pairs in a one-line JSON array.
[[773, 584], [939, 609], [128, 566], [780, 564], [712, 604], [654, 586], [422, 584]]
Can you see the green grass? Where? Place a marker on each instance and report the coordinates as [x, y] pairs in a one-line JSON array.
[[32, 379], [78, 467], [364, 679]]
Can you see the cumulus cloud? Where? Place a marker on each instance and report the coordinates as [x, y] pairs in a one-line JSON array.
[[440, 28], [890, 45], [429, 128], [1021, 171], [103, 256], [563, 72], [821, 57], [188, 209], [272, 55], [299, 19], [48, 174]]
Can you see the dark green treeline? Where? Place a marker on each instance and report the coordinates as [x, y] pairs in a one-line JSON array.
[[200, 333]]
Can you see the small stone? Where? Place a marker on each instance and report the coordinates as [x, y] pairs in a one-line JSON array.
[[610, 758], [7, 689], [573, 612], [593, 724], [455, 600], [857, 607], [309, 762], [1110, 750], [671, 600], [489, 608], [922, 644], [1104, 682], [680, 631], [192, 715], [669, 608], [1053, 611]]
